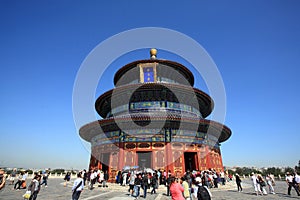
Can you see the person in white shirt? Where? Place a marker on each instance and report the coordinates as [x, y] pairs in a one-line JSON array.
[[34, 187], [270, 182], [198, 183], [297, 180], [255, 184], [93, 179], [289, 180], [77, 187]]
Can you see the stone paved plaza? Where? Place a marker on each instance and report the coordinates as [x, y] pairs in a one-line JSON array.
[[57, 191]]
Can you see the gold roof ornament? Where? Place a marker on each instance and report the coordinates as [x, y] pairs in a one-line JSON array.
[[153, 53]]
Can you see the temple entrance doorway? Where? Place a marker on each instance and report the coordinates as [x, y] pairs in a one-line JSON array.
[[190, 161], [144, 159]]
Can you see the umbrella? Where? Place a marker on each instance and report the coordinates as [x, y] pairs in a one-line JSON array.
[[135, 167], [126, 168], [149, 170]]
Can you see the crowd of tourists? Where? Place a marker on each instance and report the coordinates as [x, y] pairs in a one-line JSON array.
[[192, 185], [260, 184], [18, 181]]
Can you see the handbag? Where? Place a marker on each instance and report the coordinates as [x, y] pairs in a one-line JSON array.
[[77, 187], [263, 184], [27, 194]]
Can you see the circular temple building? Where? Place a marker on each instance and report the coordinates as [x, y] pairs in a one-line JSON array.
[[155, 118]]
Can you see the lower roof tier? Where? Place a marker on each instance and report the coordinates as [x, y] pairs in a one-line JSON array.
[[136, 123]]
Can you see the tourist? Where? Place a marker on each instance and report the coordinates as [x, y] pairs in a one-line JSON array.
[[215, 179], [270, 182], [207, 179], [222, 176], [176, 190], [145, 184], [21, 183], [84, 176], [88, 178], [67, 178], [168, 183], [201, 191], [185, 185], [238, 182], [137, 186], [13, 176], [165, 177], [2, 179], [93, 179], [77, 187], [118, 177], [34, 187], [154, 183], [45, 178], [297, 180], [159, 177], [262, 184], [255, 183], [289, 180], [100, 177], [105, 179], [131, 183], [124, 178]]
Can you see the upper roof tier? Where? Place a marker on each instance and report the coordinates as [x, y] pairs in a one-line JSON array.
[[126, 96], [155, 71]]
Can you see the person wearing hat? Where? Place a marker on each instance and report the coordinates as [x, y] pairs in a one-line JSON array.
[[201, 192], [289, 180], [238, 182]]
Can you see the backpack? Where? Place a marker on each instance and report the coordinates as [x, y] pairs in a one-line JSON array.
[[202, 193]]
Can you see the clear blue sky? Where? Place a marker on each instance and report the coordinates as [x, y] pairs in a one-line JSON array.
[[255, 44]]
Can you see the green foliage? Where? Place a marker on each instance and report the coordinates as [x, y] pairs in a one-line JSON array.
[[272, 170], [230, 172], [246, 171], [288, 169], [58, 171]]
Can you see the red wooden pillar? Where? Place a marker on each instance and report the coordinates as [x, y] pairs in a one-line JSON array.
[[121, 157], [221, 161], [208, 157], [169, 156]]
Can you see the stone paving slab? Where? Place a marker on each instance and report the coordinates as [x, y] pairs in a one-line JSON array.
[[57, 191]]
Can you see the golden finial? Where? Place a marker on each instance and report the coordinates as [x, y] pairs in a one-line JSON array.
[[153, 53]]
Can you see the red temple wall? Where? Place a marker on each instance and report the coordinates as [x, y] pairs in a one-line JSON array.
[[168, 156]]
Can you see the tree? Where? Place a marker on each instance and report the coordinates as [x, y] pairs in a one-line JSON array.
[[59, 171], [272, 170], [288, 169]]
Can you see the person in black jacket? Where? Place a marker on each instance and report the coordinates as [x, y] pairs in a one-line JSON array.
[[238, 182], [137, 186], [105, 179], [145, 184], [154, 183], [168, 183]]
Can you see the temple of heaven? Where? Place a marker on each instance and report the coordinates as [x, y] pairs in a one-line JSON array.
[[155, 118]]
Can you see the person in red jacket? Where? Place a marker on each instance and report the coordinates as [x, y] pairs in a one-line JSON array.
[[176, 190]]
